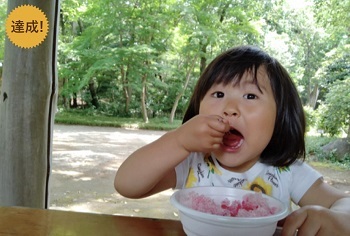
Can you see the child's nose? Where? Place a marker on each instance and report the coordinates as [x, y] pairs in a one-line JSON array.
[[231, 110], [231, 113]]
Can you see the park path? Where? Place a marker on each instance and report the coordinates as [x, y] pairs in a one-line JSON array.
[[84, 163]]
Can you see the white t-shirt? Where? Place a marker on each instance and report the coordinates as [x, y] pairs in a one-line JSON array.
[[284, 183]]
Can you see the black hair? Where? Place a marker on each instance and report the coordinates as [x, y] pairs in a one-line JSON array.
[[287, 143]]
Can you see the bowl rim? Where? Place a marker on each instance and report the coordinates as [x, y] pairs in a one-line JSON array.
[[229, 219]]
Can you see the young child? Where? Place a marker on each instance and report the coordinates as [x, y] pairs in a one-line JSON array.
[[244, 128]]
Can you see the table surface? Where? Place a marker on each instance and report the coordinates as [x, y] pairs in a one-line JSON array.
[[29, 221]]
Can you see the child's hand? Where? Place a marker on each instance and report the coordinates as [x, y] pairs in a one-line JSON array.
[[202, 133], [317, 220]]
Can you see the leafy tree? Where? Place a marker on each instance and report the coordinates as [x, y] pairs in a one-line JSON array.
[[3, 15], [336, 106], [300, 44], [126, 45], [134, 58], [71, 26], [334, 16]]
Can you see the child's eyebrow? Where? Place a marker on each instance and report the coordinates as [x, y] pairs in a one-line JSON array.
[[260, 87]]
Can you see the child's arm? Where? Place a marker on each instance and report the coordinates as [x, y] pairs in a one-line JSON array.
[[151, 168], [324, 211]]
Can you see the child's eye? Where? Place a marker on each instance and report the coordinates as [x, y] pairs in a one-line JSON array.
[[218, 94], [250, 96]]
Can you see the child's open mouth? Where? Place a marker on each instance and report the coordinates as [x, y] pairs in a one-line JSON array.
[[233, 139]]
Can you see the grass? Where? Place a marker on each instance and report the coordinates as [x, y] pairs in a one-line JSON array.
[[82, 118], [329, 164]]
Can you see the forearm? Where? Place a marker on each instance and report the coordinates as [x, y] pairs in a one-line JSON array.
[[340, 210], [151, 168], [146, 167], [342, 205]]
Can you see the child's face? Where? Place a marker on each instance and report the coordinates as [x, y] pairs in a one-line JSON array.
[[251, 114]]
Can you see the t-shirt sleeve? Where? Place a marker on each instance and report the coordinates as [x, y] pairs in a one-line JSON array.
[[182, 170], [304, 176]]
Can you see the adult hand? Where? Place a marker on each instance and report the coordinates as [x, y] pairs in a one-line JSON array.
[[202, 133], [316, 220]]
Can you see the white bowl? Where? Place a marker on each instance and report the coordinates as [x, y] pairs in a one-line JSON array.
[[198, 223]]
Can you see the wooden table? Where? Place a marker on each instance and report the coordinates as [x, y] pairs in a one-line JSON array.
[[33, 222]]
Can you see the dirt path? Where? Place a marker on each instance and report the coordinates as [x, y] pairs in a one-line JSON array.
[[84, 163]]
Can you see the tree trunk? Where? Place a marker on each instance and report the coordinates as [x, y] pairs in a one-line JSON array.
[[143, 100], [74, 101], [65, 100], [126, 88], [27, 108], [178, 97], [92, 89], [314, 96], [203, 62]]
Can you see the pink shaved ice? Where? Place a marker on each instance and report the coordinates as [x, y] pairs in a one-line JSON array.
[[251, 205]]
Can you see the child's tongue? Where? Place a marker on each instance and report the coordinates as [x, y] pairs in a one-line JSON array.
[[233, 139]]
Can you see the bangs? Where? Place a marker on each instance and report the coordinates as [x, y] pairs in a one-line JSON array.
[[228, 73]]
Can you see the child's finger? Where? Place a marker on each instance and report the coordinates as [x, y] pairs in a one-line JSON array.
[[220, 124]]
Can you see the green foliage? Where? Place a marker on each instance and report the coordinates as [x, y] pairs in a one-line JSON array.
[[156, 50], [314, 152], [3, 15], [333, 15], [310, 117], [145, 47], [314, 145], [336, 109]]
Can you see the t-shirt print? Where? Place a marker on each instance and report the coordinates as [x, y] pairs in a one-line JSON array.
[[205, 171]]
